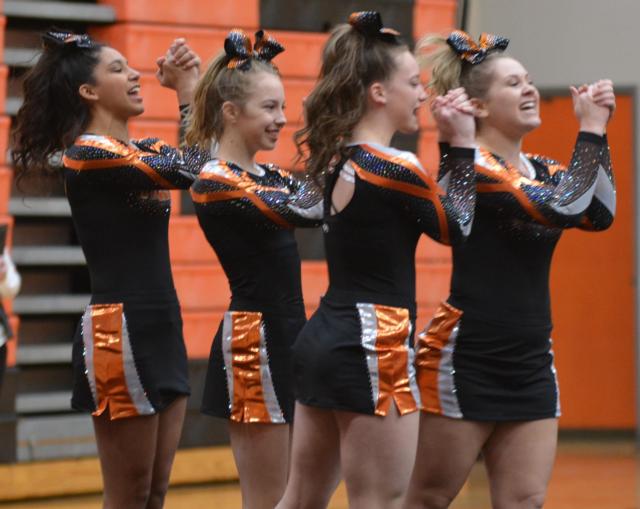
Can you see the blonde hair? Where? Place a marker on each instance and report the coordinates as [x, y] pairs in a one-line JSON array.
[[217, 85], [449, 71], [351, 62]]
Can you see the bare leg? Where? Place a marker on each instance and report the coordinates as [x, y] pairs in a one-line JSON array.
[[447, 450], [377, 456], [315, 460], [169, 431], [261, 452], [519, 457], [127, 450]]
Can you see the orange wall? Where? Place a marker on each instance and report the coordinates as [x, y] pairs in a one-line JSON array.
[[592, 285]]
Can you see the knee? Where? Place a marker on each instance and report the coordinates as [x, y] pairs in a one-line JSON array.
[[533, 500], [429, 499]]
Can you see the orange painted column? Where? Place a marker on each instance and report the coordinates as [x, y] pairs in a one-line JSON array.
[[6, 178], [433, 261], [593, 288]]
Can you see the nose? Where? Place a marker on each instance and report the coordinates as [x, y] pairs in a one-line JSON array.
[[423, 94], [133, 75], [281, 120]]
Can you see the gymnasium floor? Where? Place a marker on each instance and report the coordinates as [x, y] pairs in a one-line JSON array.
[[601, 474]]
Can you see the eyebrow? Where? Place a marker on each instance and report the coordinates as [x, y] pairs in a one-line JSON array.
[[118, 61]]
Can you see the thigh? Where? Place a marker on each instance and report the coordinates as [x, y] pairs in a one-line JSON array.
[[447, 450], [126, 448], [519, 457], [315, 459], [377, 455], [170, 422]]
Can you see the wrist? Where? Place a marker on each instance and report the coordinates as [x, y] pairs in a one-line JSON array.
[[185, 93], [593, 127], [462, 142]]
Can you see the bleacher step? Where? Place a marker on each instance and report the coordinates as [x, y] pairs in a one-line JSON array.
[[37, 355], [59, 436], [43, 402], [39, 207], [65, 11], [48, 255], [50, 304]]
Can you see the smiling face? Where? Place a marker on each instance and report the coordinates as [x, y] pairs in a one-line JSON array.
[[116, 87], [512, 102], [404, 93], [260, 118]]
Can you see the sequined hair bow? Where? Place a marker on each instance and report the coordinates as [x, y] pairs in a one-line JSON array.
[[238, 48], [52, 39], [369, 23], [472, 51]]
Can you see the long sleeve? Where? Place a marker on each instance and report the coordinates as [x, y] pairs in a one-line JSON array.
[[276, 199], [602, 210], [443, 210], [556, 197], [145, 165]]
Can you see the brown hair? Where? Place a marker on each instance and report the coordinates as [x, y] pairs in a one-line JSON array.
[[53, 114], [216, 86], [351, 61], [449, 71]]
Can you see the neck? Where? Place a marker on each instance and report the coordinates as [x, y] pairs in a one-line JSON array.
[[497, 142], [233, 148], [374, 127], [107, 124]]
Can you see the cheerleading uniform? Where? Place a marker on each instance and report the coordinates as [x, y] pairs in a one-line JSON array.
[[356, 352], [486, 355], [129, 356], [248, 219]]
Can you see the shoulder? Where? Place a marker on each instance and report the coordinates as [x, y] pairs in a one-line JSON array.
[[388, 163], [93, 152], [546, 163]]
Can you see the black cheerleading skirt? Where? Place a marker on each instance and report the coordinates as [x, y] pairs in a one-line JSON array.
[[249, 378], [129, 357], [357, 358], [469, 368]]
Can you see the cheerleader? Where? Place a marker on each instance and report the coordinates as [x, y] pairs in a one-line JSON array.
[[247, 212], [357, 396], [485, 364], [129, 359]]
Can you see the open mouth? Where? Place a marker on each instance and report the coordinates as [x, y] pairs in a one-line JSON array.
[[529, 106], [134, 91]]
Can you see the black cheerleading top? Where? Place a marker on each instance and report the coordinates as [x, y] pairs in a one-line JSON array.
[[371, 243], [501, 274], [248, 219], [120, 208]]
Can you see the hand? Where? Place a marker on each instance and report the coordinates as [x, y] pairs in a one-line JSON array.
[[179, 70], [454, 116], [593, 105]]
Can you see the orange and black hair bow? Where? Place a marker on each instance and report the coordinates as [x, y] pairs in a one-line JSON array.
[[238, 48], [53, 38], [369, 23], [472, 51]]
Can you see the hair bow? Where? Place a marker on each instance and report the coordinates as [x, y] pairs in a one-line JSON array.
[[238, 47], [59, 39], [369, 23], [473, 52]]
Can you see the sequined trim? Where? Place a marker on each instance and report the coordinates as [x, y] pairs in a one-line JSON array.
[[385, 333], [252, 396], [555, 379], [436, 348], [129, 157], [110, 364]]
